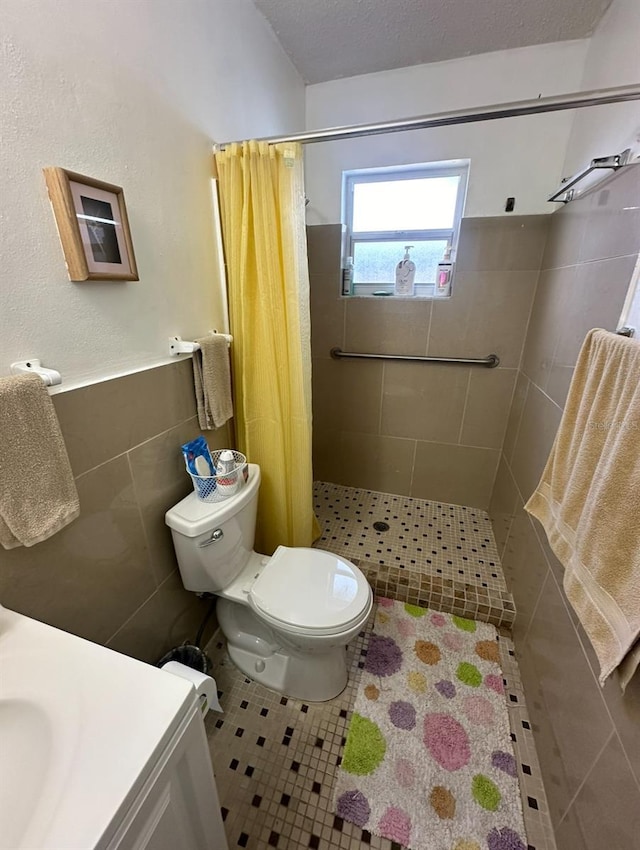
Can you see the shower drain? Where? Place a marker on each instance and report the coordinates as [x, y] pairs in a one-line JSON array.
[[381, 526]]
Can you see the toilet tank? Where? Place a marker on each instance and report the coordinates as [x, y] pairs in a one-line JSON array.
[[214, 540]]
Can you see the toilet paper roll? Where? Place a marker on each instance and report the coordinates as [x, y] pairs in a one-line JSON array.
[[205, 686]]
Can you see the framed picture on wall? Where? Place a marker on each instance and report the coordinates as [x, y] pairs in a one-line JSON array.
[[92, 223]]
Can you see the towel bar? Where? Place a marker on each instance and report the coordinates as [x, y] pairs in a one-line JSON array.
[[177, 345], [626, 331], [50, 377], [565, 193]]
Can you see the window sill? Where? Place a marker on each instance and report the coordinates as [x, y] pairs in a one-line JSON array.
[[361, 296], [424, 292]]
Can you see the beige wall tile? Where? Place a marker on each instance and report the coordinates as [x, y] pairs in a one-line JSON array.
[[597, 296], [567, 686], [326, 306], [327, 317], [487, 407], [423, 401], [625, 712], [386, 326], [488, 313], [91, 576], [525, 568], [624, 708], [376, 463], [606, 811], [556, 567], [548, 752], [566, 230], [612, 228], [515, 415], [160, 481], [107, 418], [459, 475], [347, 394], [540, 420], [326, 455], [171, 616], [550, 318], [573, 719], [324, 248], [502, 243], [504, 502]]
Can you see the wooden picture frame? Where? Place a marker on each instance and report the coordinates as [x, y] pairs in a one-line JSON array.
[[92, 222]]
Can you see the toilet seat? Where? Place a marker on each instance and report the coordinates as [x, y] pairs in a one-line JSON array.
[[311, 592]]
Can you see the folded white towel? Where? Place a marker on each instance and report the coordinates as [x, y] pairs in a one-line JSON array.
[[38, 495], [212, 380]]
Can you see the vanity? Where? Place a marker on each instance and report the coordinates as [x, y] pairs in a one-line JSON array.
[[98, 751]]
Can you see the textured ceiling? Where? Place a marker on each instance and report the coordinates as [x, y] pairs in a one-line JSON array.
[[329, 39]]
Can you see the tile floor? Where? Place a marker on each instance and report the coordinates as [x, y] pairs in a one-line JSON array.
[[275, 758], [427, 553]]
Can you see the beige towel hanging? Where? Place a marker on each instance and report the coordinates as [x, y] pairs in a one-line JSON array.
[[212, 379], [38, 495], [588, 499]]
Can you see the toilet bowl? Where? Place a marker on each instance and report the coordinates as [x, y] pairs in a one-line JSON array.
[[288, 618]]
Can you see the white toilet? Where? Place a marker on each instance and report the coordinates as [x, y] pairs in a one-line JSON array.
[[288, 618]]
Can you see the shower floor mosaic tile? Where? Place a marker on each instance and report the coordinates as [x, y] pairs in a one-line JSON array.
[[427, 553], [276, 758]]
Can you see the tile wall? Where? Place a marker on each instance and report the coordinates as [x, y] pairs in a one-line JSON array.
[[431, 431], [111, 576], [588, 739]]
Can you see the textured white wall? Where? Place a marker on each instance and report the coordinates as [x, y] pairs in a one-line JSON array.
[[613, 59], [131, 92], [520, 157]]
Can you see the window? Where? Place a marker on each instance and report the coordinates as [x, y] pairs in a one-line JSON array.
[[387, 208], [631, 311]]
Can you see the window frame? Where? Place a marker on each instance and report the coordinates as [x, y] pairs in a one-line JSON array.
[[450, 168]]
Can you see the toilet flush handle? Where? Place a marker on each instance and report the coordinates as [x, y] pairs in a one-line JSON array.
[[216, 535]]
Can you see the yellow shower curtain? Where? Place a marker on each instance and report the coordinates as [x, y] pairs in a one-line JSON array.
[[262, 209]]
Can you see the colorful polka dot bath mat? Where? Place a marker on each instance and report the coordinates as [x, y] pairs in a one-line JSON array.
[[428, 761]]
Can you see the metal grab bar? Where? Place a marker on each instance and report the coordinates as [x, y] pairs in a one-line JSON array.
[[565, 193], [489, 362]]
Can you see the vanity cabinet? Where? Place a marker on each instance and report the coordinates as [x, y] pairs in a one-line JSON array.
[[98, 750], [178, 806]]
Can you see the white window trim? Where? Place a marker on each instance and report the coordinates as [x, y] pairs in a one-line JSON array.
[[449, 168], [630, 316]]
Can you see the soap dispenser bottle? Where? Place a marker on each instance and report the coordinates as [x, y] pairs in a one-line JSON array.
[[405, 274], [444, 275]]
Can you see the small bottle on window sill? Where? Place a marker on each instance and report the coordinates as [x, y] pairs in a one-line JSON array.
[[406, 274], [347, 277], [444, 275]]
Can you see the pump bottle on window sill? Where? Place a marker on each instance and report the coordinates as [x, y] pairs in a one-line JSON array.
[[347, 277], [406, 274], [444, 275]]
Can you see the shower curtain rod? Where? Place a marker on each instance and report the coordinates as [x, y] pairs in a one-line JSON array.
[[555, 103]]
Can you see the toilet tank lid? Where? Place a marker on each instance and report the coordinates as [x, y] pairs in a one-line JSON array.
[[192, 516], [310, 588]]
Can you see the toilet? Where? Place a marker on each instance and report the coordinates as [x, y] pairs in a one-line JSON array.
[[288, 618]]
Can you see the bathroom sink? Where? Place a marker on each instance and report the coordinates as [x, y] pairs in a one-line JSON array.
[[38, 734], [80, 730], [26, 740]]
